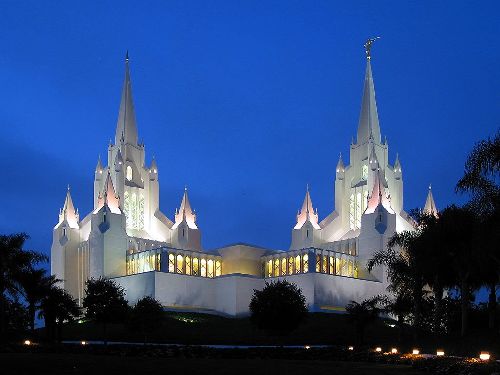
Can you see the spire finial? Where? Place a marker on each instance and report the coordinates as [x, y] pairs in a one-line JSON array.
[[68, 187], [126, 57], [430, 186], [368, 46]]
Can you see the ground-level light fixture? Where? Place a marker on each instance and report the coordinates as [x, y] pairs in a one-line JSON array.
[[415, 352], [378, 349], [394, 351], [84, 343], [440, 352], [350, 348], [307, 347], [484, 356], [27, 342]]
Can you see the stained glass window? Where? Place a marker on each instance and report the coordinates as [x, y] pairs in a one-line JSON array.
[[305, 263], [218, 268], [210, 268], [203, 267], [283, 266], [297, 264], [196, 270], [171, 263], [180, 264], [188, 265]]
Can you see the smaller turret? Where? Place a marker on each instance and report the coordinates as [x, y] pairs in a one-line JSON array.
[[373, 161], [118, 161], [68, 213], [340, 170], [186, 234], [153, 170], [397, 168], [430, 207]]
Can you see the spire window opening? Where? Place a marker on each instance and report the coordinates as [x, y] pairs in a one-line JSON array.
[[129, 173]]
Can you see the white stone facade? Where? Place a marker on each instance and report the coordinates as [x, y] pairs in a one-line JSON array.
[[126, 237]]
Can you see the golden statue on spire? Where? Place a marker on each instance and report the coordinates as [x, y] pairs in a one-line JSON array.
[[368, 45]]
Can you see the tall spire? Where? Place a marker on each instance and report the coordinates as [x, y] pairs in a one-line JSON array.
[[430, 207], [185, 213], [126, 126], [368, 119], [307, 213], [68, 211]]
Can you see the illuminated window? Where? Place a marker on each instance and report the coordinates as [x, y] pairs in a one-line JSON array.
[[171, 263], [356, 270], [364, 172], [297, 264], [350, 268], [196, 270], [276, 267], [283, 266], [188, 265], [290, 265], [270, 268], [337, 265], [365, 200], [129, 172], [305, 263], [352, 220], [203, 267], [332, 265], [218, 268], [210, 268], [358, 210], [318, 263], [325, 264], [180, 264], [133, 206]]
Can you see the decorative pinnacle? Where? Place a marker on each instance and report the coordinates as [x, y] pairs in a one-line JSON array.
[[368, 46], [126, 57]]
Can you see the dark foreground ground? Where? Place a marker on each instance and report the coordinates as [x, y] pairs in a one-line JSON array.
[[88, 364]]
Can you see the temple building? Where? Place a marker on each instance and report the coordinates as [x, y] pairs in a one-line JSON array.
[[126, 237]]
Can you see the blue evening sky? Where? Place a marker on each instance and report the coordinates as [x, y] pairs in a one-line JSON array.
[[244, 102]]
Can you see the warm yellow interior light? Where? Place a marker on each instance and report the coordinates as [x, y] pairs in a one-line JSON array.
[[484, 356]]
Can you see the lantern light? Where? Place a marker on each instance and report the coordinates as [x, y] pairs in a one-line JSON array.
[[484, 356], [378, 349], [416, 352], [84, 342], [27, 342], [350, 348], [440, 353], [394, 351]]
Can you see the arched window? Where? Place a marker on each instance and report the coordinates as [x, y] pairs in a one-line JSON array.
[[196, 270], [210, 268], [129, 173], [187, 260], [218, 268], [305, 263], [203, 268], [180, 264], [283, 266], [297, 264], [171, 263]]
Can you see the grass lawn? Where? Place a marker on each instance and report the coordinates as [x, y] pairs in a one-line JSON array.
[[54, 364]]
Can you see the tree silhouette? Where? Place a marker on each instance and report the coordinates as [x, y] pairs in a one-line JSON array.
[[146, 316], [362, 314], [57, 307], [34, 285], [105, 303], [13, 261], [482, 180], [279, 308]]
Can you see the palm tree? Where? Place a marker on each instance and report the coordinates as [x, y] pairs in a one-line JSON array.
[[57, 307], [13, 260], [362, 314], [400, 307], [458, 230], [405, 267], [482, 180], [34, 284]]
